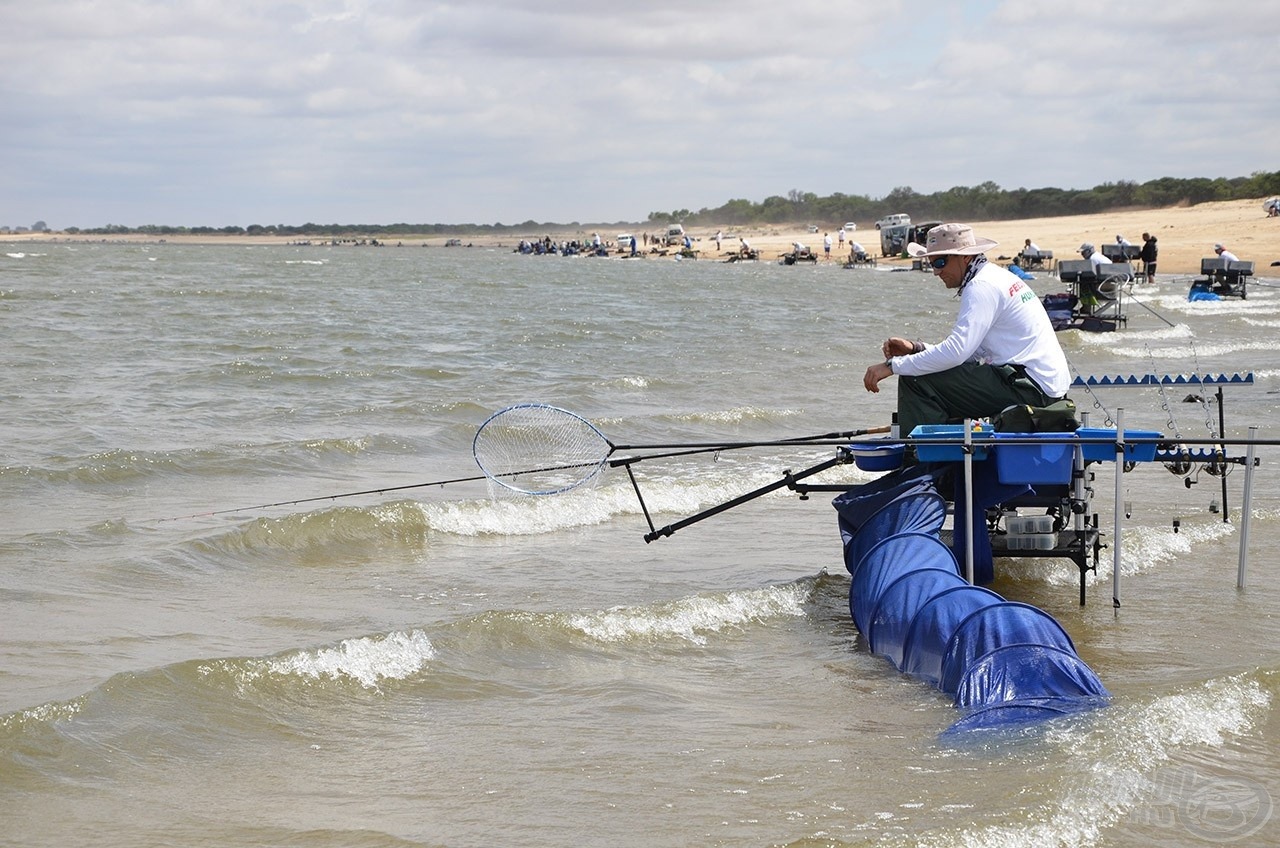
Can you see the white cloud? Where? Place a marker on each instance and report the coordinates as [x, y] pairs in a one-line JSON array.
[[141, 111]]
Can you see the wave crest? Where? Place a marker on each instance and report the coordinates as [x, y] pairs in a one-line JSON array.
[[689, 618]]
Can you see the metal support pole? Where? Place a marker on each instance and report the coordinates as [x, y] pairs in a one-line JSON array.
[[1119, 509], [1222, 430], [968, 500], [1245, 509]]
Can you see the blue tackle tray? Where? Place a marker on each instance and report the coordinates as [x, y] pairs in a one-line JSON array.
[[953, 452], [1035, 464], [1106, 451]]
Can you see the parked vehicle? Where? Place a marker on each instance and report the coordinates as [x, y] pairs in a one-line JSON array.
[[893, 237], [917, 232]]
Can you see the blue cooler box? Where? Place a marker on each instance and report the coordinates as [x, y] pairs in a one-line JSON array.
[[1035, 464], [926, 452], [1106, 451]]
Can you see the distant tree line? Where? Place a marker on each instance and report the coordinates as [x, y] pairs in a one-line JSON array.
[[986, 202]]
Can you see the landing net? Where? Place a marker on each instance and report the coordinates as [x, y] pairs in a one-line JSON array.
[[539, 449]]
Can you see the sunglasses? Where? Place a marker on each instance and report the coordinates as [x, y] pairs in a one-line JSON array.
[[939, 262]]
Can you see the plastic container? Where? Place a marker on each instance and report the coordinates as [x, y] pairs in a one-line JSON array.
[[953, 452], [1043, 541], [871, 456], [1031, 542], [1106, 451], [1043, 464], [1020, 525]]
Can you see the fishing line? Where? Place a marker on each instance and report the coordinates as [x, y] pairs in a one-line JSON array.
[[1182, 465], [1152, 311], [1097, 402]]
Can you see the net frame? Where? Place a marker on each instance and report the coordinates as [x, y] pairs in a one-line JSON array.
[[539, 449]]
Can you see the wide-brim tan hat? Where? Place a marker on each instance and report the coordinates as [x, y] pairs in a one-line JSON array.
[[951, 238]]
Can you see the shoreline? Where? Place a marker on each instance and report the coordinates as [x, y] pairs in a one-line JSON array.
[[1185, 235]]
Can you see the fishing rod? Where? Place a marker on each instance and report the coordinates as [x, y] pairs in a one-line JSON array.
[[836, 439], [574, 450], [381, 491], [509, 437], [539, 449]]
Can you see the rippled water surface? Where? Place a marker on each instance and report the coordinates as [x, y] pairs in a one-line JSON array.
[[430, 664]]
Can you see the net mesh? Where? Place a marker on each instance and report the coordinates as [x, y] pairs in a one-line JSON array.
[[539, 449]]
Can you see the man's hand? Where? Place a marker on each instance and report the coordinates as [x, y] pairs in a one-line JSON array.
[[875, 374], [897, 347]]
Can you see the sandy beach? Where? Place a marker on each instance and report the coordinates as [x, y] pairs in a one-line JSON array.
[[1186, 234]]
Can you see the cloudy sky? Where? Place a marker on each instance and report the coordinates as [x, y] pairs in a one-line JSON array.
[[229, 112]]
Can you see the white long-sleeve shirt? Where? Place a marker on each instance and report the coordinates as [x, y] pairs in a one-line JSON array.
[[1001, 322]]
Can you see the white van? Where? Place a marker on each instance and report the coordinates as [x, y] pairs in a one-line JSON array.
[[675, 234], [900, 220], [850, 227]]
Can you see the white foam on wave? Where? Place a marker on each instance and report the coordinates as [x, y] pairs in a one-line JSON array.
[[367, 660], [1265, 513], [1165, 338], [737, 415], [1145, 549], [1118, 764], [1163, 333], [49, 713], [690, 618], [1202, 349], [629, 381], [512, 514]]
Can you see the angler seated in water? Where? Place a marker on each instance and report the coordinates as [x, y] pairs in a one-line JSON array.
[[1001, 352], [1032, 256]]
